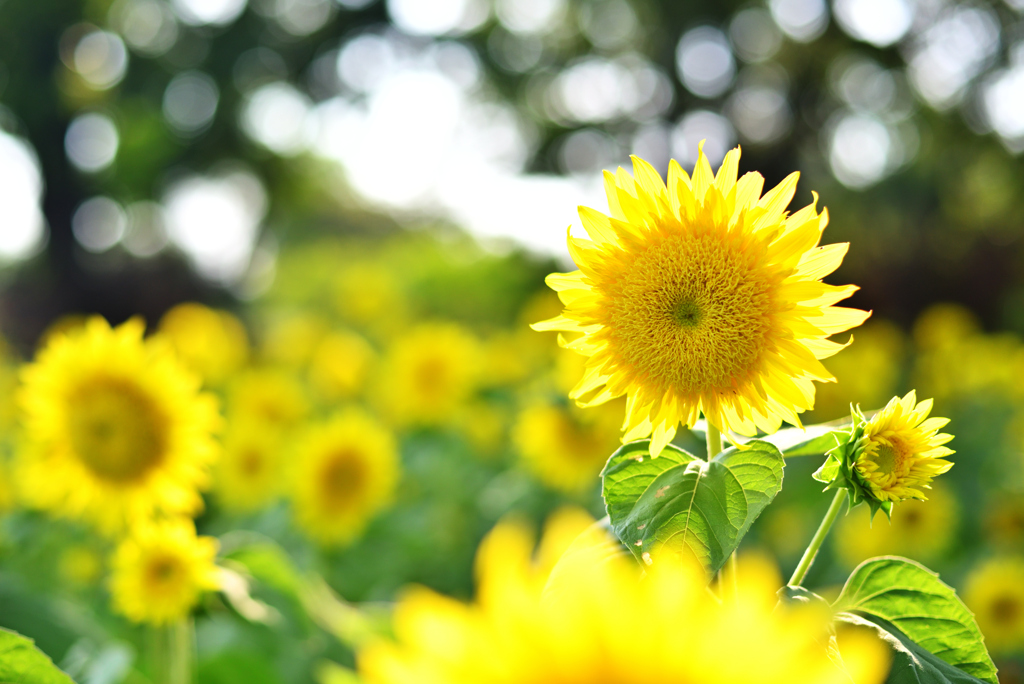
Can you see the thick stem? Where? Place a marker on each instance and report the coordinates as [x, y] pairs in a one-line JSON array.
[[714, 438], [173, 650], [819, 537]]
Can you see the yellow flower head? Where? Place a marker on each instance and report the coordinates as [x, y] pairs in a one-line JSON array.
[[116, 428], [249, 472], [270, 396], [566, 447], [430, 373], [212, 343], [995, 592], [160, 570], [702, 297], [346, 471], [901, 450], [591, 618], [340, 365]]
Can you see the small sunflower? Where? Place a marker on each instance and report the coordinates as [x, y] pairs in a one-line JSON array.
[[346, 471], [566, 447], [340, 365], [248, 474], [702, 297], [160, 570], [586, 616], [212, 343], [430, 374], [901, 450], [995, 592], [117, 429], [271, 396]]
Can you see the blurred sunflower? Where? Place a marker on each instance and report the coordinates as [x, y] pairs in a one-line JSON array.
[[565, 446], [590, 618], [430, 373], [116, 428], [267, 395], [917, 529], [483, 424], [79, 565], [340, 365], [160, 570], [290, 339], [249, 473], [995, 592], [369, 295], [1004, 522], [901, 450], [346, 471], [702, 297], [212, 343]]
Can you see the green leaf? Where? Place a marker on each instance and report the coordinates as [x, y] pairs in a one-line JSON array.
[[22, 663], [811, 441], [920, 605], [911, 663], [687, 503]]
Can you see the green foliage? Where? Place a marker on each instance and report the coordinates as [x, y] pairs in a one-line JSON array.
[[838, 471], [22, 663], [925, 610], [687, 503]]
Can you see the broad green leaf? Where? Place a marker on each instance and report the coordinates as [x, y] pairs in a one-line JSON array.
[[22, 663], [921, 606], [911, 663], [686, 503]]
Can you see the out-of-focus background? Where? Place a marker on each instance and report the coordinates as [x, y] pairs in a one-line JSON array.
[[363, 188]]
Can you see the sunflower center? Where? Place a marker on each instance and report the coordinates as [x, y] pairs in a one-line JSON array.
[[162, 570], [1006, 610], [116, 430], [342, 478], [693, 312], [887, 459], [251, 463]]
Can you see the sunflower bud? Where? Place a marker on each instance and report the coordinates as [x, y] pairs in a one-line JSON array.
[[893, 456]]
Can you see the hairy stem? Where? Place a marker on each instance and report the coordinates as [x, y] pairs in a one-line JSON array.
[[819, 537], [714, 438]]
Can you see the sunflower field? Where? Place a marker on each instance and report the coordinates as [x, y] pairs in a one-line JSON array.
[[304, 381]]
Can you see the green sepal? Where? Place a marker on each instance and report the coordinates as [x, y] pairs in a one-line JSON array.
[[839, 471]]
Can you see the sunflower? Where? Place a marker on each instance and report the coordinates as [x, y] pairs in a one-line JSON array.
[[248, 474], [160, 571], [995, 592], [701, 297], [430, 374], [346, 471], [340, 365], [590, 618], [916, 529], [270, 396], [212, 343], [117, 429], [901, 450], [566, 447]]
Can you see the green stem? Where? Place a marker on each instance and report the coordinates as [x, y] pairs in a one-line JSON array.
[[714, 438], [173, 648], [812, 549]]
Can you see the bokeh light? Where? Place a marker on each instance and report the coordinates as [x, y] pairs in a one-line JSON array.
[[801, 20], [704, 61], [91, 142], [21, 190], [101, 59], [208, 12], [99, 223], [275, 116], [190, 102], [701, 125], [879, 22]]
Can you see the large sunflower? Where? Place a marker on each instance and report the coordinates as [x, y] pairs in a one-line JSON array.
[[589, 618], [701, 297], [117, 429]]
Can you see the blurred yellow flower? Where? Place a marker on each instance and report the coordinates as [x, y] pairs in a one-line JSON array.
[[430, 373], [212, 343], [340, 365], [944, 325], [505, 360], [591, 618], [566, 447], [1004, 522], [995, 592], [160, 570], [901, 450], [917, 529], [249, 473], [346, 471], [290, 339], [867, 373], [116, 428], [483, 425], [702, 297], [370, 296], [271, 396]]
